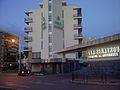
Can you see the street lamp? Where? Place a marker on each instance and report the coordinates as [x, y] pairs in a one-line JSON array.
[[13, 40], [20, 55], [19, 43]]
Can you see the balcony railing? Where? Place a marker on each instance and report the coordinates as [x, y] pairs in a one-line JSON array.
[[28, 29], [45, 61], [28, 12], [28, 20], [76, 16], [78, 36], [27, 39], [28, 49], [41, 5], [77, 26], [36, 61]]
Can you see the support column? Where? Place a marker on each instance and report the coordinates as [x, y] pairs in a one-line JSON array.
[[63, 61]]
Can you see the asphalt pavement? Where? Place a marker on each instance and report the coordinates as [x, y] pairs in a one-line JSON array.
[[47, 82]]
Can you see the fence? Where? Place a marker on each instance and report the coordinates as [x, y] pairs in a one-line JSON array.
[[98, 71]]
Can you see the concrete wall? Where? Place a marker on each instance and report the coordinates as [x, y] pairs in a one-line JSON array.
[[36, 33], [44, 51], [57, 33], [69, 29]]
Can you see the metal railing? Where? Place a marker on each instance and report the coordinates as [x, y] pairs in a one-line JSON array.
[[77, 25], [77, 15], [28, 20], [28, 39], [27, 48], [28, 29], [78, 36], [45, 60]]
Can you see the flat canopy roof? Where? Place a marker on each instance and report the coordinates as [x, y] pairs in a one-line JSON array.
[[115, 37]]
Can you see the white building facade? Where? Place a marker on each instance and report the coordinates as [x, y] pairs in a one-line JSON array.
[[51, 27]]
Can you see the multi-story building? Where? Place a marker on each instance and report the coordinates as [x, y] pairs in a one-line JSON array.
[[52, 27], [9, 47]]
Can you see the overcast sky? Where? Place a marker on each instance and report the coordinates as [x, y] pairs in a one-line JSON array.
[[100, 17]]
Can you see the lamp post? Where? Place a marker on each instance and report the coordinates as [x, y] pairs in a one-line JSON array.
[[19, 43], [19, 55]]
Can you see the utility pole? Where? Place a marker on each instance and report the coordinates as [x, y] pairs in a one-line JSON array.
[[19, 54]]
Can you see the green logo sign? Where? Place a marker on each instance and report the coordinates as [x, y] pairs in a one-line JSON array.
[[58, 23], [43, 23]]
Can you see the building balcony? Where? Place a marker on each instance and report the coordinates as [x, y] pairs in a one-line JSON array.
[[41, 5], [28, 29], [27, 49], [77, 26], [36, 61], [27, 39], [28, 12], [78, 36], [39, 60], [77, 16], [28, 20]]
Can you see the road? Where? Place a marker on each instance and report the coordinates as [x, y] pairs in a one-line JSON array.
[[47, 82]]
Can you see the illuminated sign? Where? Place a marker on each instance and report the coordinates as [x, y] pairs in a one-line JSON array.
[[58, 23], [104, 52]]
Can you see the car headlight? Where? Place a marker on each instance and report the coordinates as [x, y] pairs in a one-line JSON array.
[[22, 71], [28, 71]]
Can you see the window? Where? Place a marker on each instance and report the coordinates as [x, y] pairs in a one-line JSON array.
[[49, 17], [50, 55], [64, 4], [50, 48], [50, 28], [41, 44], [62, 14], [49, 7], [36, 55], [50, 38]]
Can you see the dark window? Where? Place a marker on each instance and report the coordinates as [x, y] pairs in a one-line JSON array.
[[64, 4], [50, 27], [50, 38], [49, 17], [62, 14], [41, 44], [50, 48], [36, 55], [49, 7]]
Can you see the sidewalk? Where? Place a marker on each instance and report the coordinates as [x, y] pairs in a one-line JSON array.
[[6, 73], [97, 82], [9, 74]]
